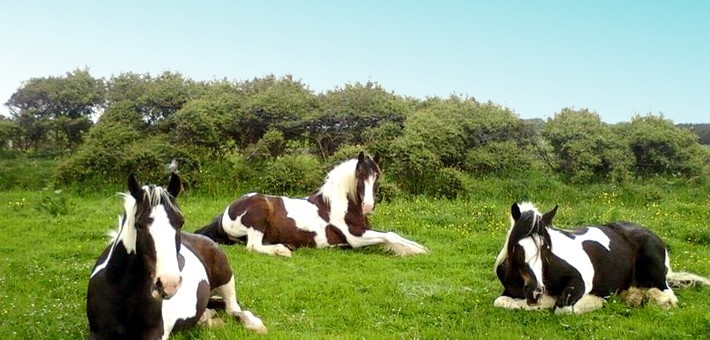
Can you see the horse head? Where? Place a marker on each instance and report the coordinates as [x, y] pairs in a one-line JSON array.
[[367, 174], [528, 249], [156, 226]]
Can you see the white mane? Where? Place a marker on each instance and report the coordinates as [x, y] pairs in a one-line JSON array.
[[524, 206], [340, 182]]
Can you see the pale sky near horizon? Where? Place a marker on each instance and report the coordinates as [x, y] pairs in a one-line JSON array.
[[618, 58]]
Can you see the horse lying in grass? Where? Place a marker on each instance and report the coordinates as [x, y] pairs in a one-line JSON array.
[[572, 271], [335, 215], [153, 278]]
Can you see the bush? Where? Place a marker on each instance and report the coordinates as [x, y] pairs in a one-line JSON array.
[[586, 149], [451, 183], [661, 148], [292, 175]]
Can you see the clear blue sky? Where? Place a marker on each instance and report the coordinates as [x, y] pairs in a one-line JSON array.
[[618, 58]]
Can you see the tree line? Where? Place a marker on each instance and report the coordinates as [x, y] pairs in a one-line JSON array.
[[277, 135]]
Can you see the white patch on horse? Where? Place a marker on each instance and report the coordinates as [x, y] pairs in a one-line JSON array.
[[183, 305], [163, 234], [368, 201], [234, 228], [571, 251], [531, 246], [305, 215]]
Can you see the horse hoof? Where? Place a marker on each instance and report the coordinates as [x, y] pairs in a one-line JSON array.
[[282, 251], [252, 323]]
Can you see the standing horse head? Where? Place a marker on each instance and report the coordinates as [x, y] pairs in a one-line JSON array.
[[356, 180], [528, 248], [151, 228]]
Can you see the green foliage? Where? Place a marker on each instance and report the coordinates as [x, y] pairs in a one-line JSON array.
[[55, 203], [451, 183], [661, 148], [25, 171], [349, 114], [151, 120], [291, 174], [154, 98], [587, 149], [272, 103], [54, 112]]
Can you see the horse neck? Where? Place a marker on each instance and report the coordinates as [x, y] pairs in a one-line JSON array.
[[127, 267], [344, 205]]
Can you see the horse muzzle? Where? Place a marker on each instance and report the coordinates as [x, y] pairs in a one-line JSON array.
[[536, 296], [166, 286], [368, 208]]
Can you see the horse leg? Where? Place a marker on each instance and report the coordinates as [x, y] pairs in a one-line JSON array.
[[508, 302], [228, 293], [666, 298], [633, 296], [573, 299], [210, 319], [392, 242], [586, 303], [255, 241]]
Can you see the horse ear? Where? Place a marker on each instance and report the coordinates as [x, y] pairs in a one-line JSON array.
[[515, 211], [377, 159], [175, 186], [548, 216], [134, 187], [361, 157]]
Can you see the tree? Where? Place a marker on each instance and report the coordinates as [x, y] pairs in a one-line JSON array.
[[357, 114], [57, 109], [155, 98]]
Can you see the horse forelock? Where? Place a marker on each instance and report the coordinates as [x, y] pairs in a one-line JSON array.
[[527, 210], [126, 233], [158, 195]]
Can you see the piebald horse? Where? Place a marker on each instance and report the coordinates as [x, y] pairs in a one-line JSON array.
[[334, 215], [573, 271], [153, 278]]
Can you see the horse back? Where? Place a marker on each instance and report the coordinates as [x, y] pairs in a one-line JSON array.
[[649, 253], [212, 257]]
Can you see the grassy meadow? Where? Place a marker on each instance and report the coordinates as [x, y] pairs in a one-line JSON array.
[[50, 239]]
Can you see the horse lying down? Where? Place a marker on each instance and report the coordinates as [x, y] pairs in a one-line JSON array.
[[572, 271], [153, 278], [335, 215]]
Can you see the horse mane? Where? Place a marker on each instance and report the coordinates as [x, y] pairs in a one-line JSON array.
[[524, 207], [339, 182]]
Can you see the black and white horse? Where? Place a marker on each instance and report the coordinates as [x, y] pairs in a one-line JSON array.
[[153, 278], [335, 215], [572, 271]]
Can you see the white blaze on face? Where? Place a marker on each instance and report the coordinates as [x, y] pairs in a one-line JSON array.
[[167, 271], [368, 202], [532, 256]]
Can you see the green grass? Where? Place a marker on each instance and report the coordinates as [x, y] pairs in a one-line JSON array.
[[49, 242]]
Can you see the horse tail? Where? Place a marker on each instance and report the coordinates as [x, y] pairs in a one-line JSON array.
[[685, 279]]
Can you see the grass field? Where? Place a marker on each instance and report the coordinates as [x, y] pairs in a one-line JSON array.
[[50, 240]]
